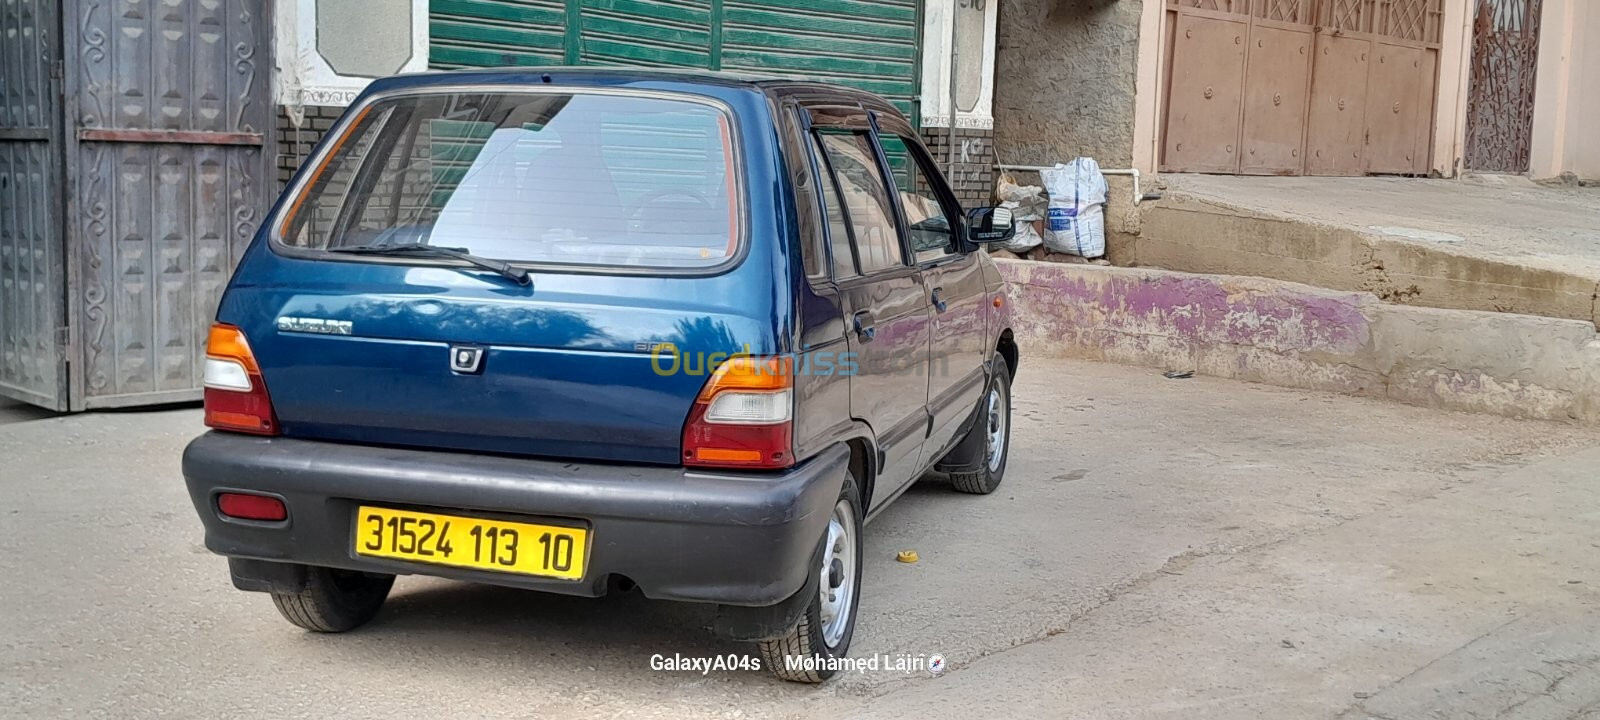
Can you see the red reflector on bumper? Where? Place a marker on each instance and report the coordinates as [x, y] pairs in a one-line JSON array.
[[252, 507]]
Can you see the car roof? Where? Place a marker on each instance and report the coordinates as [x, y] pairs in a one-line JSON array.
[[576, 73], [778, 85]]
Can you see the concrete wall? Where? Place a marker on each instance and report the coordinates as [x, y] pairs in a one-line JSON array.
[[1294, 335], [1193, 232], [1568, 95], [1455, 77], [1064, 81]]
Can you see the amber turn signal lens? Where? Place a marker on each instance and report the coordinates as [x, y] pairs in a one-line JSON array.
[[235, 395]]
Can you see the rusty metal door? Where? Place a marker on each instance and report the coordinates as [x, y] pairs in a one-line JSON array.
[[1277, 84], [1505, 60], [1375, 86], [32, 254], [1238, 86], [1323, 87], [1394, 107], [1337, 125], [1207, 92], [166, 106]]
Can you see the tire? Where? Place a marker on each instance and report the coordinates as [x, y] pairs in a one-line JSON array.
[[995, 408], [334, 601], [811, 635]]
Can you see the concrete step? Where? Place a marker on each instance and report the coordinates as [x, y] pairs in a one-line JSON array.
[[1295, 335], [1432, 243]]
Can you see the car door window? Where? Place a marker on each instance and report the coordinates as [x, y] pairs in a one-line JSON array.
[[854, 163], [839, 246], [927, 218]]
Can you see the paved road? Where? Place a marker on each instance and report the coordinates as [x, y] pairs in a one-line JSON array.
[[1183, 549]]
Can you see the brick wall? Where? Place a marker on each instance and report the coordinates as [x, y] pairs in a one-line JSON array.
[[973, 174], [294, 146]]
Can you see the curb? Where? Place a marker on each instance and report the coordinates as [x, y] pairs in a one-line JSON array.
[[1293, 335]]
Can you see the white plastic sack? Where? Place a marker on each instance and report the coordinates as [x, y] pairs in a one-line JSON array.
[[1028, 204], [1077, 223], [1026, 238]]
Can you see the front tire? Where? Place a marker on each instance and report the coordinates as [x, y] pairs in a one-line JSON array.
[[994, 421], [822, 635], [334, 601]]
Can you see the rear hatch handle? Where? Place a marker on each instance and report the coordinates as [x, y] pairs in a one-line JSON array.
[[499, 267]]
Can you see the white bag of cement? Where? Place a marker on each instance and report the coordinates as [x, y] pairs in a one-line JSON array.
[[1028, 205], [1077, 208], [1026, 237]]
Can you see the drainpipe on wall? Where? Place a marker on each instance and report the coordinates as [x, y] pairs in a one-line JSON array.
[[955, 13]]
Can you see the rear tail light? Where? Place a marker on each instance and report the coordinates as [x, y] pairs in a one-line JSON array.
[[252, 507], [235, 395], [743, 417]]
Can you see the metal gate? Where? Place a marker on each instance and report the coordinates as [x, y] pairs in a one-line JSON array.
[[869, 44], [166, 106], [147, 179], [1505, 61], [32, 250], [1291, 87]]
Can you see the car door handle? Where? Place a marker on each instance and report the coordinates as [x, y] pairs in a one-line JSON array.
[[865, 329], [938, 302]]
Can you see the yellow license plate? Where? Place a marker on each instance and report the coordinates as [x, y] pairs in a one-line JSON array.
[[496, 545]]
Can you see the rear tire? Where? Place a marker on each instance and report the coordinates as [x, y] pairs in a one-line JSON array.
[[993, 421], [825, 628], [334, 601]]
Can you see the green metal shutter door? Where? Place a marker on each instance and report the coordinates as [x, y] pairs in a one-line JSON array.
[[650, 33], [868, 44], [489, 33]]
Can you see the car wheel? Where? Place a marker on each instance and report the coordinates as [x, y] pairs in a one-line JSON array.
[[808, 651], [334, 600], [994, 422]]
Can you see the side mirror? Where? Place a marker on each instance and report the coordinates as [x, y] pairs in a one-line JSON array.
[[990, 225]]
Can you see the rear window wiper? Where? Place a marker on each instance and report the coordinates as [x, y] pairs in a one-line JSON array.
[[504, 269]]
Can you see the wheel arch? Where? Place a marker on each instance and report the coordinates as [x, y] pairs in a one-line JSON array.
[[864, 467], [1007, 347]]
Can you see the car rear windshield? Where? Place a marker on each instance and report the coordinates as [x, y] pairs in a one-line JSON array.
[[559, 178]]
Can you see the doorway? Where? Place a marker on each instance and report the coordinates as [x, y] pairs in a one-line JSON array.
[[1301, 87]]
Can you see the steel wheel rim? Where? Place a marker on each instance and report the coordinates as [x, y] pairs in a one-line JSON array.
[[837, 589], [997, 428]]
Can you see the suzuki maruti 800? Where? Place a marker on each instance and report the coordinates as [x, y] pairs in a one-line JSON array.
[[581, 330]]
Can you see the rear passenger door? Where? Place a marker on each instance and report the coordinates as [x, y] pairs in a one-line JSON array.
[[931, 217], [884, 300]]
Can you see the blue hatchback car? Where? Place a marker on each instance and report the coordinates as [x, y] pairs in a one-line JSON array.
[[581, 331]]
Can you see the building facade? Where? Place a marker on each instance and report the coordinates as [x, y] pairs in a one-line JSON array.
[[1302, 87], [901, 49]]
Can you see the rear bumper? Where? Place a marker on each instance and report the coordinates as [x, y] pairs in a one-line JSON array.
[[726, 538]]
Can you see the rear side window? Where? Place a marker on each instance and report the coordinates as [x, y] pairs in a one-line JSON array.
[[866, 199], [531, 177], [839, 246]]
